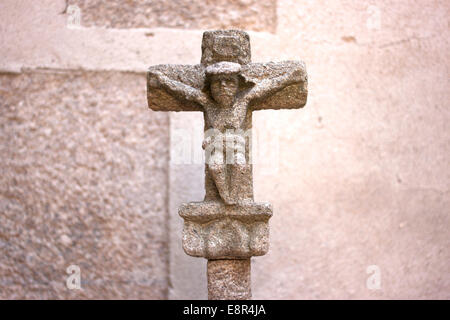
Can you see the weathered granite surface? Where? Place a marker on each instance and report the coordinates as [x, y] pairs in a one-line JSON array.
[[193, 14], [216, 231], [229, 279], [83, 182]]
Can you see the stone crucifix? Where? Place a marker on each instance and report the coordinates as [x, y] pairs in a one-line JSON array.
[[228, 227]]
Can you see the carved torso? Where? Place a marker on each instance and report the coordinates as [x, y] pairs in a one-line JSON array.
[[226, 118]]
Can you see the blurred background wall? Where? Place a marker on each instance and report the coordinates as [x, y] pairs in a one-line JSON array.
[[359, 178]]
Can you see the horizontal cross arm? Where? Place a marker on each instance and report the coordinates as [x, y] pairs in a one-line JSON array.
[[281, 85], [175, 87]]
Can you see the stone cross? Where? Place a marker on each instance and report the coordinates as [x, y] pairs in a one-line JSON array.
[[227, 227]]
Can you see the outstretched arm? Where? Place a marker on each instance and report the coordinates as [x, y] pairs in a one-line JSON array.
[[268, 87], [181, 90]]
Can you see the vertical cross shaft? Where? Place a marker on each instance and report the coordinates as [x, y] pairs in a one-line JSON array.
[[228, 227], [229, 279]]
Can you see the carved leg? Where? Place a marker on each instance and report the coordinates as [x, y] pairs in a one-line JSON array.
[[216, 165], [218, 170], [239, 168], [219, 175]]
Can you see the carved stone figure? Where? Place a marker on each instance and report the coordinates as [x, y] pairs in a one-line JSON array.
[[226, 106], [227, 88]]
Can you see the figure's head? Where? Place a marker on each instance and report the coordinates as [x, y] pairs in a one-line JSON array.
[[224, 82]]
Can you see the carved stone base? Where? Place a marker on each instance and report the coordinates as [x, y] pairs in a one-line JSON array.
[[214, 230]]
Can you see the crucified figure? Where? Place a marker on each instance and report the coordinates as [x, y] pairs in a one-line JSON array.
[[226, 105]]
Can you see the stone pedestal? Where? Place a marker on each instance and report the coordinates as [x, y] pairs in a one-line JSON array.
[[214, 230]]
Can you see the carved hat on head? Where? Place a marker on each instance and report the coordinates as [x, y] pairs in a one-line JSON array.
[[223, 67]]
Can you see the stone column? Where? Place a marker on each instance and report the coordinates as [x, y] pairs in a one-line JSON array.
[[229, 279]]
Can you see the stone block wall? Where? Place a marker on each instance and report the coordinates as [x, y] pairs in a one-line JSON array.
[[84, 182]]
